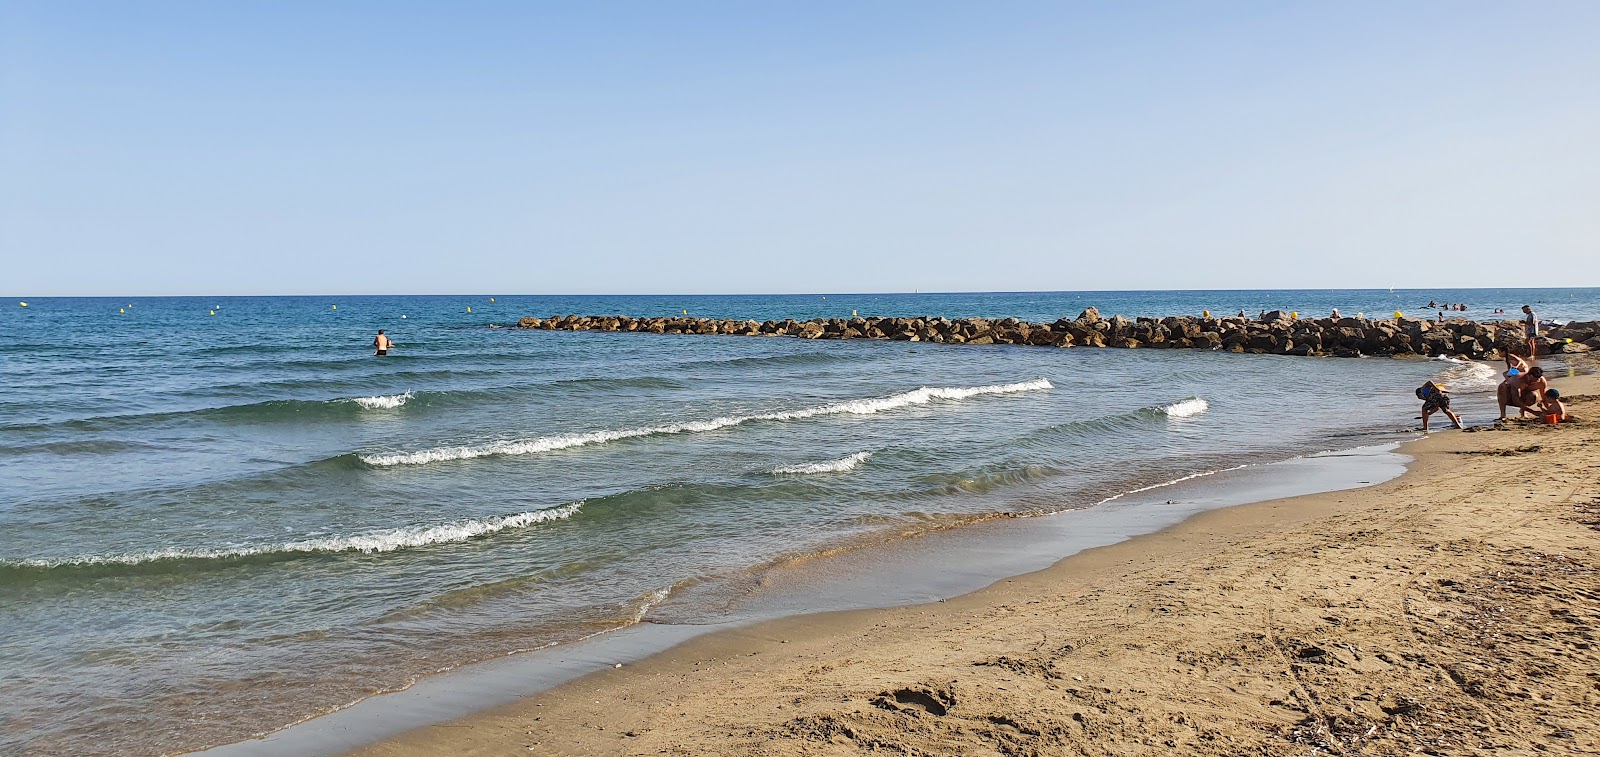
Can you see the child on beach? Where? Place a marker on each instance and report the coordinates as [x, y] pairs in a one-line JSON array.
[[1435, 400], [1553, 411]]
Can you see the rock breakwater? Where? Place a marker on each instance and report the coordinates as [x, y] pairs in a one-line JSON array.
[[1277, 332]]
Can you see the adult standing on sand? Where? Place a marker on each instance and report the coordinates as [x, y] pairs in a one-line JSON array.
[[1530, 329], [381, 344]]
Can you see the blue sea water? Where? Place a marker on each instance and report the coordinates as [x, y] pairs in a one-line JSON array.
[[218, 516]]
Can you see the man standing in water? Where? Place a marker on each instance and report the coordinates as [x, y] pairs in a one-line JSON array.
[[1530, 329], [381, 344]]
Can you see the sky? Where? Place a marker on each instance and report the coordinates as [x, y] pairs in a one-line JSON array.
[[773, 147]]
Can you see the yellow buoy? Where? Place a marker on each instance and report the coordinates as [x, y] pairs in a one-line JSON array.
[[213, 312], [1398, 314], [1295, 314], [852, 314], [122, 310], [469, 308], [1205, 314], [335, 307], [23, 304], [685, 312], [491, 299]]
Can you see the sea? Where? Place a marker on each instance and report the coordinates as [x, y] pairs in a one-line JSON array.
[[219, 516]]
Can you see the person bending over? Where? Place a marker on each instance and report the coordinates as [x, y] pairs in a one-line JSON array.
[[1434, 400], [1523, 390]]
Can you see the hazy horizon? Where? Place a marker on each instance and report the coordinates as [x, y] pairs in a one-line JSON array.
[[175, 149]]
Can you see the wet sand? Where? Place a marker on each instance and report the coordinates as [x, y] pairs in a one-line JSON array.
[[1448, 611]]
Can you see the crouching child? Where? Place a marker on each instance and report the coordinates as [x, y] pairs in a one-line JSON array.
[[1435, 400]]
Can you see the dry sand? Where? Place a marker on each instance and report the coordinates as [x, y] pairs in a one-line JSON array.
[[1451, 611]]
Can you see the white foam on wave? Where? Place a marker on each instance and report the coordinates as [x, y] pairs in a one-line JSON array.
[[1469, 376], [827, 466], [1186, 408], [387, 540], [920, 396], [383, 402], [1165, 484]]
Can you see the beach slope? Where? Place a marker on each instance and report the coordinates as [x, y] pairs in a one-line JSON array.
[[1449, 611]]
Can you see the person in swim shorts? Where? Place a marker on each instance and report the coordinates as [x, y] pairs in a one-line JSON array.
[[381, 344], [1523, 390], [1434, 400], [1530, 329]]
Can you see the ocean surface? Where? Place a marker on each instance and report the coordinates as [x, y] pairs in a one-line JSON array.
[[219, 516]]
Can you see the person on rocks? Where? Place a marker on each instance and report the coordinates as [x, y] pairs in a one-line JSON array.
[[1435, 400], [1336, 315], [1530, 329], [1522, 389]]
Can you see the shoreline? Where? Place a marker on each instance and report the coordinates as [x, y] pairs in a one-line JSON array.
[[1364, 624], [872, 577]]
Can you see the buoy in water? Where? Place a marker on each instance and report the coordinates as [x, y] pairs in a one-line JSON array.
[[1398, 315], [852, 314], [491, 299], [1295, 314], [469, 308], [402, 316], [22, 304], [335, 307], [685, 312], [213, 312], [122, 310], [1205, 314]]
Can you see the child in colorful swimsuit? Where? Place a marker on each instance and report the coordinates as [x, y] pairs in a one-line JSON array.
[[1435, 400]]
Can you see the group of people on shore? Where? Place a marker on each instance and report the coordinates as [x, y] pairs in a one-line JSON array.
[[1523, 386]]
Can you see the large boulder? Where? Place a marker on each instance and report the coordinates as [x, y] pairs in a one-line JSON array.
[[1090, 314]]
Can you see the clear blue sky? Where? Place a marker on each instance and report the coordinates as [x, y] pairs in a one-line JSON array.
[[692, 147]]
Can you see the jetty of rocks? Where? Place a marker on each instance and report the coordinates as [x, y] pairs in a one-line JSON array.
[[1277, 332]]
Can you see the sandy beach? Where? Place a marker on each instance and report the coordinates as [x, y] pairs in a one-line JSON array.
[[1449, 611]]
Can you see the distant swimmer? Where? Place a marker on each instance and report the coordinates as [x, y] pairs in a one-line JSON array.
[[381, 344]]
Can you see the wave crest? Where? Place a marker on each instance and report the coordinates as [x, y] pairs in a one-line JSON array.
[[827, 466], [920, 396], [387, 540], [383, 402], [1186, 408]]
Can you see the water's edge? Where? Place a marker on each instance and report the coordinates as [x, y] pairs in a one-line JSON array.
[[913, 571]]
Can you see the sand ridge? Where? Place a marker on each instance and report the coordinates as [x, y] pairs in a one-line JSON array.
[[1451, 611]]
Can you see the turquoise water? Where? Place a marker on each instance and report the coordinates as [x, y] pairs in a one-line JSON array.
[[213, 525]]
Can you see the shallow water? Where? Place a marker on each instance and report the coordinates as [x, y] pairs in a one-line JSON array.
[[214, 525]]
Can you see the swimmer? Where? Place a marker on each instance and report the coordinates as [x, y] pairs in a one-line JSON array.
[[381, 344]]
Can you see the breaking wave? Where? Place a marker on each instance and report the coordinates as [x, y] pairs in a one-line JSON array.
[[1186, 408], [827, 466], [920, 396], [388, 540], [383, 402], [1468, 375]]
